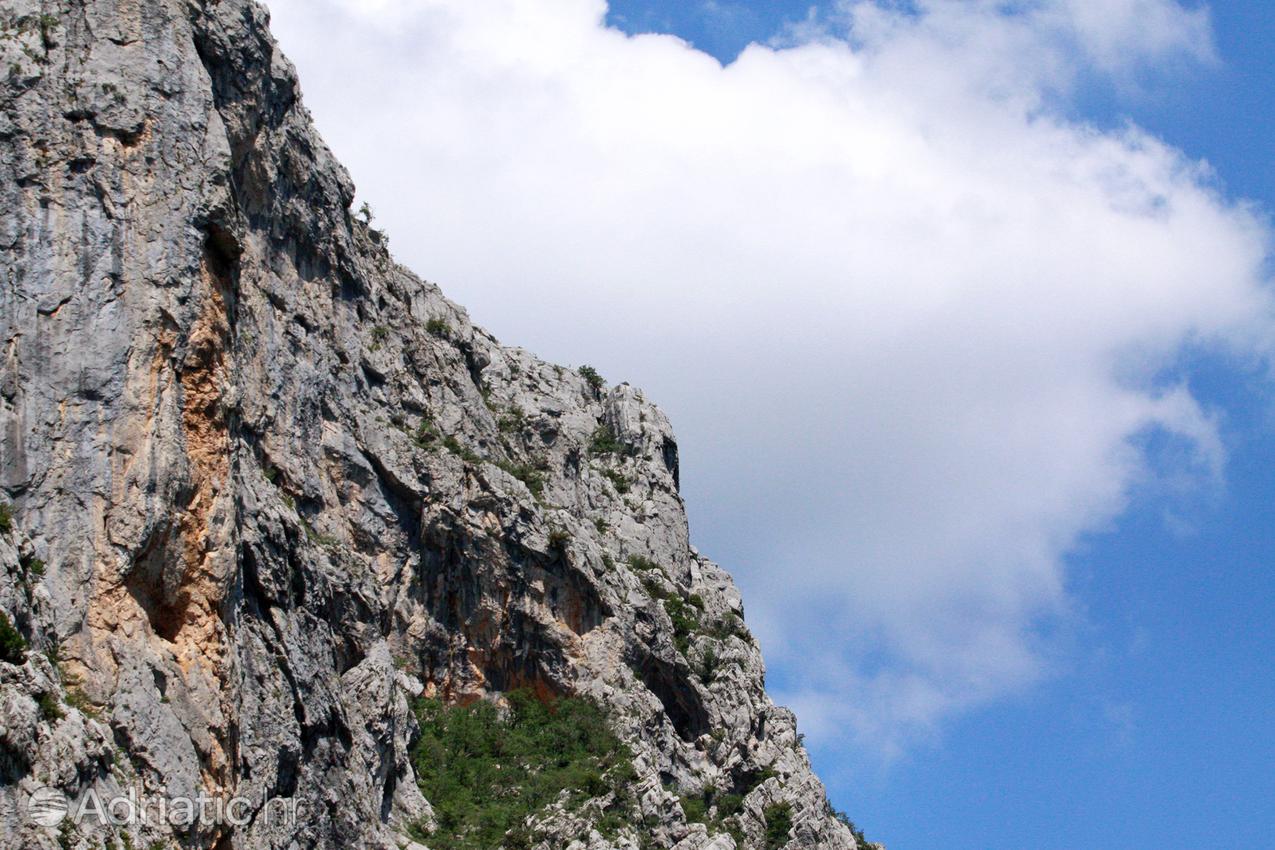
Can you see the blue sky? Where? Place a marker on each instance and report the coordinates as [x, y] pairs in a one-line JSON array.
[[1159, 727], [970, 374]]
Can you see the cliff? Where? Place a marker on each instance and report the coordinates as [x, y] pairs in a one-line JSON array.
[[268, 491]]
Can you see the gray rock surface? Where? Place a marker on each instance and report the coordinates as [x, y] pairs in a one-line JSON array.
[[268, 485]]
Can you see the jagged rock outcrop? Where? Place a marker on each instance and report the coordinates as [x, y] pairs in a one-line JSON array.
[[267, 486]]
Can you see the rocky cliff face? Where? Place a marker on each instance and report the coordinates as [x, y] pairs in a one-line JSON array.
[[267, 486]]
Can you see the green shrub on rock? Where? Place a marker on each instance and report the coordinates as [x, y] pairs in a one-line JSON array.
[[13, 647], [605, 442], [685, 622], [778, 825], [592, 378]]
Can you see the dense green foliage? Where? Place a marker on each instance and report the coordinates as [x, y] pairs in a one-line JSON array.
[[685, 619], [709, 664], [13, 648], [462, 451], [605, 442], [716, 811], [485, 772], [426, 433], [513, 421], [50, 707], [592, 378], [729, 625], [621, 484], [646, 565], [531, 474], [6, 518], [439, 328], [778, 825]]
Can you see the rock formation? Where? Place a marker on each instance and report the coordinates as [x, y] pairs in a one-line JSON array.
[[265, 487]]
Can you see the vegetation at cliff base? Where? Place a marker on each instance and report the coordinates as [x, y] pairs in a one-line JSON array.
[[485, 771]]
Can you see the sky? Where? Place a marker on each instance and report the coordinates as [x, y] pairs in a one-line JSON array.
[[963, 313]]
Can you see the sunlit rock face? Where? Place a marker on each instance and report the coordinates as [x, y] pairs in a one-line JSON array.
[[268, 487]]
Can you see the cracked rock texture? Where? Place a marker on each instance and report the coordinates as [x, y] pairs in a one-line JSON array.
[[267, 486]]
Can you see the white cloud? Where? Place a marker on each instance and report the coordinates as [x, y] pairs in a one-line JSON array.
[[910, 322]]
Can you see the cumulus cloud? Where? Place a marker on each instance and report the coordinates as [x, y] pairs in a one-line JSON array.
[[913, 324]]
